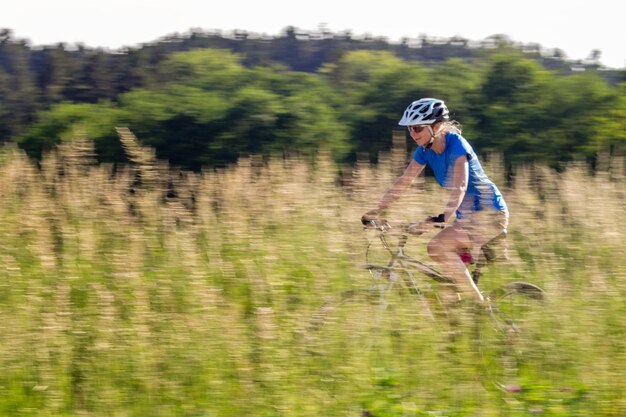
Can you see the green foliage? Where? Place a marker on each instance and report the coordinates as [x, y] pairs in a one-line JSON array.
[[377, 86], [532, 114], [205, 107], [67, 121], [611, 123], [582, 105], [18, 93], [206, 69]]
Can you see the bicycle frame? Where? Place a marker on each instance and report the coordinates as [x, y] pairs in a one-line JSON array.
[[400, 260], [405, 262], [401, 264]]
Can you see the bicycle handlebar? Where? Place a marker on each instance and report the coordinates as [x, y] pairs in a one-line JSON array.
[[416, 229]]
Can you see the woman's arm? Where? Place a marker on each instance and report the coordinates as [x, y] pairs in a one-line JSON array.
[[460, 180], [399, 186]]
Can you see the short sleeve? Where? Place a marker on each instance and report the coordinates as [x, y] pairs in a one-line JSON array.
[[458, 146]]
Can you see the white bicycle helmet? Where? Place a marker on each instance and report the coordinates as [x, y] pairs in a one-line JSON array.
[[425, 111]]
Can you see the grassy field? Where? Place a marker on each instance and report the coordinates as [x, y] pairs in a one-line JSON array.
[[145, 291]]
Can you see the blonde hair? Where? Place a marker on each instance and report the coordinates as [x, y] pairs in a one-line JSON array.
[[451, 126]]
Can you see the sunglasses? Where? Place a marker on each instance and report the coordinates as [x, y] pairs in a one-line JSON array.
[[416, 128]]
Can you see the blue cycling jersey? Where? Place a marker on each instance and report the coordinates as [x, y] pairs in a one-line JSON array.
[[481, 191]]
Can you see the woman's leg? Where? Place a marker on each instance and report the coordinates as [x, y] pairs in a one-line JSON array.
[[483, 227], [443, 249]]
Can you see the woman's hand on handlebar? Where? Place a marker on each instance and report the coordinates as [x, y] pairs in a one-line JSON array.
[[440, 218], [372, 219], [427, 225], [370, 216]]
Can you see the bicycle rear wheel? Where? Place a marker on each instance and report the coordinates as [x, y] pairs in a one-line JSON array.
[[515, 304], [507, 334]]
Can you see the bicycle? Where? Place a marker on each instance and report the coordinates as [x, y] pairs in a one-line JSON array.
[[507, 308], [405, 266]]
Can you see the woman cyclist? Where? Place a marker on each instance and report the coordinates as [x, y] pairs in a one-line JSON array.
[[476, 203]]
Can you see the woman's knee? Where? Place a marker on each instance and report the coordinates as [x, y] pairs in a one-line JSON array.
[[435, 249], [444, 245]]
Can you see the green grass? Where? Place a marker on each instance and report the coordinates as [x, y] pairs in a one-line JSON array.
[[115, 303]]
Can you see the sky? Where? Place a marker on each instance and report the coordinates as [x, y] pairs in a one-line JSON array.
[[574, 26]]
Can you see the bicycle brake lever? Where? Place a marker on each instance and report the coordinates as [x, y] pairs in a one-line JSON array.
[[381, 225]]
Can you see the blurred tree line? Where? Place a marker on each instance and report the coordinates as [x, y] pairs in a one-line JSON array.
[[203, 99]]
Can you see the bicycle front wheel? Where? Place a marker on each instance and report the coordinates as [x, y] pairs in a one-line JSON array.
[[364, 317]]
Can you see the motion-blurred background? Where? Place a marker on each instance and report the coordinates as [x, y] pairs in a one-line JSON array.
[[175, 212]]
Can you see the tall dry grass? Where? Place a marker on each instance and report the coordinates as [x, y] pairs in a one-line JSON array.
[[145, 290]]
